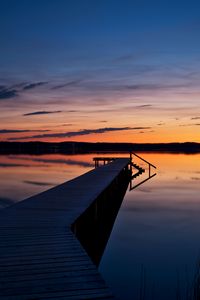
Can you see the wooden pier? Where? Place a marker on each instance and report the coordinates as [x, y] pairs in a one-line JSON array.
[[40, 256], [105, 160]]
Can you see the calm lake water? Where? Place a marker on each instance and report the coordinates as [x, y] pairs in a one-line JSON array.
[[154, 249]]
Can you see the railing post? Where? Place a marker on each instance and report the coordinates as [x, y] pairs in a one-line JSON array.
[[131, 159], [131, 163], [149, 170]]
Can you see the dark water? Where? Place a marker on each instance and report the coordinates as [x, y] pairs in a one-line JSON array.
[[154, 249]]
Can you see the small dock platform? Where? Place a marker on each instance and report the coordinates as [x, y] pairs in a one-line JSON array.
[[40, 257]]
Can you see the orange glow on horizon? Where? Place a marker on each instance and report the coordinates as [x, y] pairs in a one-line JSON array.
[[159, 124], [127, 136]]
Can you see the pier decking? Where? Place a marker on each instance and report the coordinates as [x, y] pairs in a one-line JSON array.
[[40, 257]]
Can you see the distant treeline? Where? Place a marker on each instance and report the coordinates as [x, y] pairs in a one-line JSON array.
[[83, 147]]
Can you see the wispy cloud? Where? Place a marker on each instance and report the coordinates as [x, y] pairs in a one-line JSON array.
[[38, 183], [67, 84], [34, 85], [81, 132], [113, 109], [67, 124], [183, 125], [151, 87], [42, 112], [5, 131], [7, 93], [2, 131], [10, 165], [161, 124], [195, 178], [195, 118], [121, 85], [143, 106], [63, 125]]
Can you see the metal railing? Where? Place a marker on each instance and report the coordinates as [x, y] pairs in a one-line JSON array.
[[132, 164], [149, 164]]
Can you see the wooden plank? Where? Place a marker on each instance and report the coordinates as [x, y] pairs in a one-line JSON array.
[[68, 275], [53, 286], [42, 266], [41, 251], [51, 269], [71, 294], [41, 255], [41, 281], [45, 258]]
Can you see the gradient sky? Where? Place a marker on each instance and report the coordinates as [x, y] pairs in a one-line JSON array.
[[100, 70]]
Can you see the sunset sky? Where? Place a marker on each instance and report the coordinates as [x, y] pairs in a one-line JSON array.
[[100, 70]]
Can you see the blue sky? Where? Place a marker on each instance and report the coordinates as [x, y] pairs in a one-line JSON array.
[[63, 36], [83, 55]]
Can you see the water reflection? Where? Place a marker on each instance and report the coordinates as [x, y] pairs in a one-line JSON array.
[[153, 251], [154, 247], [22, 176]]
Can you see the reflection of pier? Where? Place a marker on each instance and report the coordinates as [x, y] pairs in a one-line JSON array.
[[140, 170], [94, 226]]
